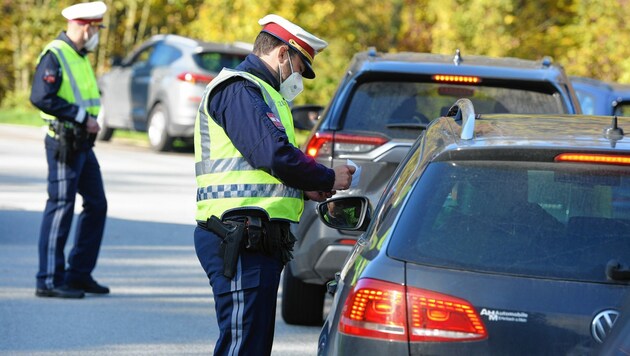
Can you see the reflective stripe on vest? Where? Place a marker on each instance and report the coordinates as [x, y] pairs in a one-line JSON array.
[[225, 180], [78, 85]]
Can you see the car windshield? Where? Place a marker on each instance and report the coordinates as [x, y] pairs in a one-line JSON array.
[[396, 107], [549, 220], [214, 62]]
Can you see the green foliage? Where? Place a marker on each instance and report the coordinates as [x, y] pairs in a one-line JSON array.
[[586, 36], [21, 116], [15, 99]]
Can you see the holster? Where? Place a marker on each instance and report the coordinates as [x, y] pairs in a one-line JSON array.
[[72, 138], [255, 233], [66, 151], [232, 235]]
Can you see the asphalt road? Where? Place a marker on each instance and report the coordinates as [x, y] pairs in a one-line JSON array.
[[160, 301]]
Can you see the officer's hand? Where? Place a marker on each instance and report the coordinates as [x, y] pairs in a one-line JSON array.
[[92, 125], [319, 196], [343, 176]]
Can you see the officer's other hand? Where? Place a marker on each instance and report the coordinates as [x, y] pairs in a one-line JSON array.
[[319, 196], [343, 176], [92, 125]]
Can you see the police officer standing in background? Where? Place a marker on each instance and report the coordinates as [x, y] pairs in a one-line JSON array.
[[66, 92], [252, 181]]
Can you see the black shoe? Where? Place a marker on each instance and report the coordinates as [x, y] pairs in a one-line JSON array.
[[60, 292], [90, 287]]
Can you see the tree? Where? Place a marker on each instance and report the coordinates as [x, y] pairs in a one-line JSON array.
[[600, 34], [586, 36]]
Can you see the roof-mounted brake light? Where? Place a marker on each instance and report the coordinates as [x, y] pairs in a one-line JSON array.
[[593, 158], [447, 78]]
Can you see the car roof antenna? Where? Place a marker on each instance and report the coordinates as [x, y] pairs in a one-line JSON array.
[[614, 133], [457, 59]]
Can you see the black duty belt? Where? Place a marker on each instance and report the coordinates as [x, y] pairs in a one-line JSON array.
[[250, 233]]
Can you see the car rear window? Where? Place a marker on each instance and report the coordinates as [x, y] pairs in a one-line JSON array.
[[553, 220], [214, 62], [394, 108]]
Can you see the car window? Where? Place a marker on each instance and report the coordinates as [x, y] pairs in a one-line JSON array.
[[622, 109], [543, 220], [164, 55], [394, 107], [587, 101], [214, 62], [141, 59]]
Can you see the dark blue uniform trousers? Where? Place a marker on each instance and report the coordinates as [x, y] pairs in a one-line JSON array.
[[245, 305], [64, 182]]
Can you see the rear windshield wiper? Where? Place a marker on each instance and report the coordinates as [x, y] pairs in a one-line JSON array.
[[407, 125], [617, 271]]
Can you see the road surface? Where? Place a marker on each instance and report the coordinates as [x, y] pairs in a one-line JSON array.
[[160, 301]]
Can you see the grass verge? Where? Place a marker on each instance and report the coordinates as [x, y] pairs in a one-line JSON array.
[[30, 117]]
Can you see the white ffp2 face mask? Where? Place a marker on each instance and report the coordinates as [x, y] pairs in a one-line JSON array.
[[91, 43], [292, 86]]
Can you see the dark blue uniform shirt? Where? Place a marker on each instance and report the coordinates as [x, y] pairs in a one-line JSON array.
[[238, 106], [46, 84]]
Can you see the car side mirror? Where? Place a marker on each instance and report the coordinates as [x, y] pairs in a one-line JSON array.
[[116, 61], [305, 116], [346, 213]]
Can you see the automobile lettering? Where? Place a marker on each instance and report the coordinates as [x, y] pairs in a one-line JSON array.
[[504, 315]]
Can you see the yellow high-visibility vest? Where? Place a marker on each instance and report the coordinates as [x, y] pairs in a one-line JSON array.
[[225, 180], [78, 84]]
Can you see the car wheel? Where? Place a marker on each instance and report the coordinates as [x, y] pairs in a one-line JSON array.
[[106, 132], [302, 303], [158, 136]]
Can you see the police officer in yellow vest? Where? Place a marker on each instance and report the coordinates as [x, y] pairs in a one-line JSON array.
[[65, 90], [252, 182]]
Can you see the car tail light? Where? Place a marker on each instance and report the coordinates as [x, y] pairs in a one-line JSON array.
[[321, 144], [439, 317], [375, 309], [466, 79], [195, 78], [383, 310], [593, 158]]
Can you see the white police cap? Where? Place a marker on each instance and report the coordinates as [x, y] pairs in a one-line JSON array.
[[307, 44], [85, 13]]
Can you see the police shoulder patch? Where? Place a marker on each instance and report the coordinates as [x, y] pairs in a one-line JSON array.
[[276, 121], [49, 76]]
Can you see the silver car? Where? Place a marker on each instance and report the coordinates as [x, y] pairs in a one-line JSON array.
[[157, 88]]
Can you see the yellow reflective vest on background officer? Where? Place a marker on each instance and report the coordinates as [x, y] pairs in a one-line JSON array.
[[79, 85], [225, 180]]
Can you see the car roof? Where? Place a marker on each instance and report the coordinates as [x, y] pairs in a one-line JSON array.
[[548, 130], [617, 89], [459, 63], [582, 132], [199, 46]]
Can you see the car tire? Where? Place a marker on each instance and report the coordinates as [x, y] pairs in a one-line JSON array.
[[159, 139], [105, 133], [302, 303]]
